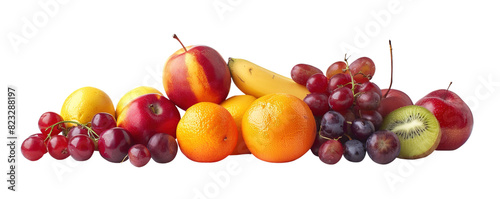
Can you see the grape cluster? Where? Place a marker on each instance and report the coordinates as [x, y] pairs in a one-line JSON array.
[[344, 103], [102, 134]]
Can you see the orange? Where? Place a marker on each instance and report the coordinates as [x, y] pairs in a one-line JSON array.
[[131, 95], [81, 105], [237, 106], [207, 132], [278, 128]]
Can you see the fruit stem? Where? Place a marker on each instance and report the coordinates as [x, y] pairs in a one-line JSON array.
[[447, 90], [392, 70], [124, 158], [92, 133], [175, 37], [350, 74]]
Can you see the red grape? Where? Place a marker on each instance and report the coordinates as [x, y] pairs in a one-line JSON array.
[[368, 100], [163, 147], [301, 73], [318, 103], [102, 122], [33, 148], [362, 69], [139, 155], [336, 68], [58, 147], [341, 99], [318, 141], [81, 147], [337, 81], [48, 119], [367, 87], [317, 83], [331, 152]]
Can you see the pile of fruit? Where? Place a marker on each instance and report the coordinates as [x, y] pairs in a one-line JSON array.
[[278, 119]]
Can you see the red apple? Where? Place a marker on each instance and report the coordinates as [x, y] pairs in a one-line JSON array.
[[147, 115], [196, 74], [454, 116], [393, 100]]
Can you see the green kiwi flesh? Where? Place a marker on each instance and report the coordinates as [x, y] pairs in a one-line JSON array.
[[417, 129]]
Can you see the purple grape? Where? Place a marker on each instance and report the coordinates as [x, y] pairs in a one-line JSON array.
[[383, 146], [333, 125], [362, 129], [354, 151]]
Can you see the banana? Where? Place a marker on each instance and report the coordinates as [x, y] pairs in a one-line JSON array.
[[257, 81]]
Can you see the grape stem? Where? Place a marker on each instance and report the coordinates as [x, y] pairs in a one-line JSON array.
[[124, 158], [350, 74], [92, 133], [392, 68]]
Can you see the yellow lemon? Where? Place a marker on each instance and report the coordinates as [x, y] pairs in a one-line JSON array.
[[131, 95], [84, 103], [237, 106]]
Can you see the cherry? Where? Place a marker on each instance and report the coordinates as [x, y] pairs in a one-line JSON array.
[[58, 147], [102, 122], [77, 130], [163, 147], [81, 147], [33, 148], [47, 120], [114, 144]]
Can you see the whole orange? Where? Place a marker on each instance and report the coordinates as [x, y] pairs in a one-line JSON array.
[[278, 128], [207, 132], [237, 106]]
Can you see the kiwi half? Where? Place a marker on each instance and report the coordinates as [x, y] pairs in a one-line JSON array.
[[417, 129]]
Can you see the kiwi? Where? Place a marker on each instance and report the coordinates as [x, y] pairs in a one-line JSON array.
[[417, 129]]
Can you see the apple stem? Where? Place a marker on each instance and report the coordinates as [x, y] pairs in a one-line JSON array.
[[175, 37], [392, 70], [447, 90]]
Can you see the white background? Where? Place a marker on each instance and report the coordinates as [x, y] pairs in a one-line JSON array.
[[117, 45]]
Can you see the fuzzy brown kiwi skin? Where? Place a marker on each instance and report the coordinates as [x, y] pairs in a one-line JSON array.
[[430, 150]]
